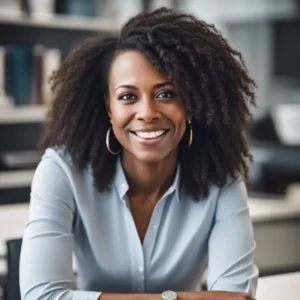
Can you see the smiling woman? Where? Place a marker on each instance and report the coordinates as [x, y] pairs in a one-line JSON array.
[[143, 171], [148, 115]]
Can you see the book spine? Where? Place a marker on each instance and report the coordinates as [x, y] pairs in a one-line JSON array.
[[21, 73], [8, 74], [51, 62], [37, 78], [2, 76]]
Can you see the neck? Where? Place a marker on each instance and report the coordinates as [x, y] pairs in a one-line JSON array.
[[149, 180]]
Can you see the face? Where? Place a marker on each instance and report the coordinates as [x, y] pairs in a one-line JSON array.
[[147, 114]]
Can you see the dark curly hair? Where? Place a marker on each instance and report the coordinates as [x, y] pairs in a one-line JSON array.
[[210, 76]]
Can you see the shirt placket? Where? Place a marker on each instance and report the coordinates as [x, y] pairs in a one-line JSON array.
[[141, 254], [137, 255], [152, 232]]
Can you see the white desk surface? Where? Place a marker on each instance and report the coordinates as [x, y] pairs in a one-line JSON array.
[[262, 209], [279, 287]]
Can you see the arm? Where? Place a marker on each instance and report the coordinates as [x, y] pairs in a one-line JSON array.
[[213, 295], [231, 245], [46, 255]]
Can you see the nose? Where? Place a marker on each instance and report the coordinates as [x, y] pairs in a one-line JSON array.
[[147, 110]]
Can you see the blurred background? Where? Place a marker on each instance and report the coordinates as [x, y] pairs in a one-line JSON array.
[[35, 36]]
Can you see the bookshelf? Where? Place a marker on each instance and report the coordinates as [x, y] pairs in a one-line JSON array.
[[24, 114], [58, 33], [21, 123], [63, 22], [237, 14], [16, 179]]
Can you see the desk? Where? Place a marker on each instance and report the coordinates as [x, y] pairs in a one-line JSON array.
[[276, 226], [270, 210], [279, 287]]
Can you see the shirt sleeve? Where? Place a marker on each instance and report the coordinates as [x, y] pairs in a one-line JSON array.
[[47, 249], [231, 245]]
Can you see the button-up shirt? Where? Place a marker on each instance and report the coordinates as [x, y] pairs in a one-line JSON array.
[[184, 237]]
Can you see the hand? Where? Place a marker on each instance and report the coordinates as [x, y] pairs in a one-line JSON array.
[[221, 295], [213, 295]]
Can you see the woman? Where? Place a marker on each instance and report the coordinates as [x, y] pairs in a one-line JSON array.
[[143, 170]]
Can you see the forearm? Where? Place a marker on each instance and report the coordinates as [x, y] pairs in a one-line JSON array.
[[211, 295], [105, 296], [180, 296]]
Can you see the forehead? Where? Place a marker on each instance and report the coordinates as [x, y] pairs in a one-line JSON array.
[[132, 66]]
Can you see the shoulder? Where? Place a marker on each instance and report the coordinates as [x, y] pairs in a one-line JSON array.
[[60, 158], [233, 193], [232, 197], [57, 155], [234, 185], [56, 165], [227, 199]]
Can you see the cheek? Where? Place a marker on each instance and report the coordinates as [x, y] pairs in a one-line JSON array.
[[182, 128], [178, 117], [119, 116]]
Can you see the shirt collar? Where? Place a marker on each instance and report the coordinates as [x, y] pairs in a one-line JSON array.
[[123, 187]]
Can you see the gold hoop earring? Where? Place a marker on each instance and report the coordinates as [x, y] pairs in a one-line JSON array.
[[108, 143], [191, 133]]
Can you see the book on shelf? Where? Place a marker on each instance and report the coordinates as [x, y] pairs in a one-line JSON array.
[[24, 74], [2, 76]]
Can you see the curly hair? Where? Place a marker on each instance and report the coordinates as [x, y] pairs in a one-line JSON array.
[[210, 76]]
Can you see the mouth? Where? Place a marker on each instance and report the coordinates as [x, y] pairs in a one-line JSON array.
[[150, 134], [149, 138]]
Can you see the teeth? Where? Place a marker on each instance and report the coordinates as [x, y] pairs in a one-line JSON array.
[[151, 134]]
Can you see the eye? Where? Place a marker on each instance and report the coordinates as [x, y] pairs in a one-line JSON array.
[[166, 94], [127, 97]]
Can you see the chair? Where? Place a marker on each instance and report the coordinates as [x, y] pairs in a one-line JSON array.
[[12, 288]]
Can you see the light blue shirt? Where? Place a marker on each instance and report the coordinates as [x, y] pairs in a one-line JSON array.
[[68, 214]]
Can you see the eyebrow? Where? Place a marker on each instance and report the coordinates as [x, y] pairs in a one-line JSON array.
[[133, 87]]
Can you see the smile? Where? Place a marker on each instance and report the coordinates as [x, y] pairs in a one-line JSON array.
[[150, 134], [150, 138]]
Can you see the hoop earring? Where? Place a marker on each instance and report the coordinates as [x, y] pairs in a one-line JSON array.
[[108, 143], [191, 133]]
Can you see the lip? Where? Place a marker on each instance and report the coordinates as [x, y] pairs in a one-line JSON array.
[[149, 142], [149, 129]]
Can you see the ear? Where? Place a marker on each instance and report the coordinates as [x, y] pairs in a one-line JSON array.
[[107, 105]]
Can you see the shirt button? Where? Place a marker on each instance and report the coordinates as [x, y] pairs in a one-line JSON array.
[[123, 186], [141, 269], [155, 227]]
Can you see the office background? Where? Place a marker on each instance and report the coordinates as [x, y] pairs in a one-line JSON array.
[[35, 35]]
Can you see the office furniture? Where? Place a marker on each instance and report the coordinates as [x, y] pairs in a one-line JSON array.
[[279, 287]]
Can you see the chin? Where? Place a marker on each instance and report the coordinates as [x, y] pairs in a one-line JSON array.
[[150, 158]]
